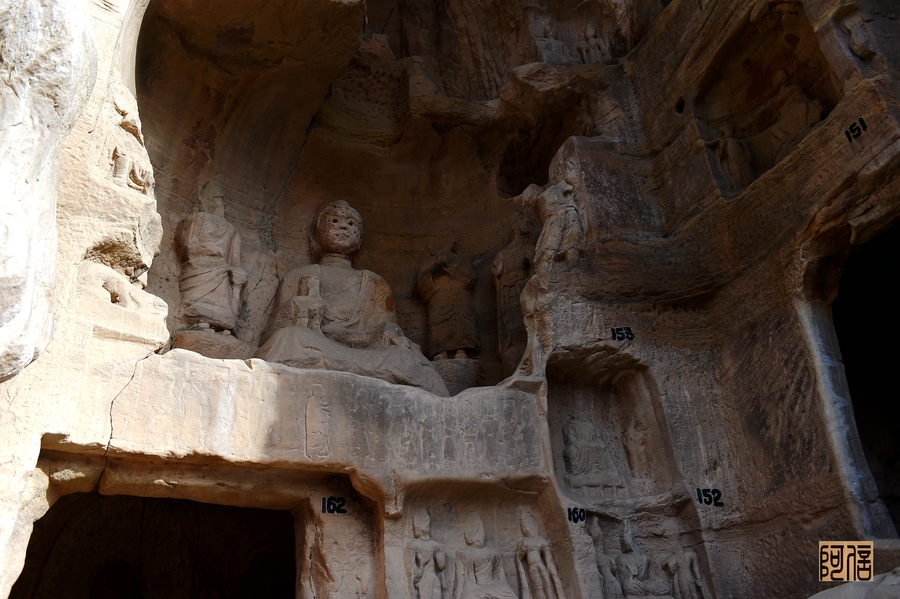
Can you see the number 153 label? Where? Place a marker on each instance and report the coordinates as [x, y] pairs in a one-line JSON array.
[[622, 333]]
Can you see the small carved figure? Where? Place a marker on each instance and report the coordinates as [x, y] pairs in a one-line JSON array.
[[626, 32], [429, 559], [639, 575], [104, 283], [684, 566], [126, 106], [590, 49], [211, 280], [339, 570], [318, 422], [735, 160], [535, 563], [586, 459], [131, 164], [635, 441], [331, 316], [512, 269], [445, 284], [362, 579], [605, 564], [129, 174], [562, 237], [314, 572], [479, 570], [799, 114]]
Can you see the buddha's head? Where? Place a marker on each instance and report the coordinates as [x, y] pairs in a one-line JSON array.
[[596, 533], [421, 524], [474, 532], [338, 229], [629, 545], [528, 525]]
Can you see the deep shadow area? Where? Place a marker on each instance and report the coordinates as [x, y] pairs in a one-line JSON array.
[[868, 327], [90, 546]]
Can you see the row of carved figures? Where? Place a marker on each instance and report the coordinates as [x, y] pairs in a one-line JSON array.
[[479, 572], [331, 316], [634, 575]]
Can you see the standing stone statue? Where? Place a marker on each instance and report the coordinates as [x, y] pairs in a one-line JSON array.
[[318, 423], [330, 316], [445, 284], [736, 164], [512, 269], [634, 440], [211, 280], [605, 564], [587, 459], [535, 563], [684, 566], [562, 238], [639, 574], [429, 559], [479, 570]]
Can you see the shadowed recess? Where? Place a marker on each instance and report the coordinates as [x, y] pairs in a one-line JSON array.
[[868, 326], [90, 546]]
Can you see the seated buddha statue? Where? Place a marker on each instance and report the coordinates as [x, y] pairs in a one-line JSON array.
[[331, 316]]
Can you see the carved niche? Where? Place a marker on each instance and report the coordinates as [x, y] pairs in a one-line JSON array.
[[750, 123]]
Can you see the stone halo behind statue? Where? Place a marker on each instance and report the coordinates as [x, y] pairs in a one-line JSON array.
[[331, 316]]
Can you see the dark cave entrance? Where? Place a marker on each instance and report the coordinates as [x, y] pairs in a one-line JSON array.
[[867, 322], [91, 546]]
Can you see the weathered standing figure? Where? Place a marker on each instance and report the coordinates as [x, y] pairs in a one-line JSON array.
[[318, 423], [562, 238], [587, 459], [684, 566], [429, 559], [512, 269], [534, 560], [640, 576], [445, 285], [605, 564], [736, 165], [211, 280], [479, 570]]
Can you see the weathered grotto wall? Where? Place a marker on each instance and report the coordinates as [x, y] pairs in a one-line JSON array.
[[423, 161], [662, 195], [48, 64]]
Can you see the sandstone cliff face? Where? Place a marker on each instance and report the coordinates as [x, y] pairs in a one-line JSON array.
[[638, 212], [48, 64]]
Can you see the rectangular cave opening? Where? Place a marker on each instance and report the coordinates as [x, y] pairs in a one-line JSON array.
[[94, 546]]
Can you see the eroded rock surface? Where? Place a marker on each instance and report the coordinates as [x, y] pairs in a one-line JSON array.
[[48, 66]]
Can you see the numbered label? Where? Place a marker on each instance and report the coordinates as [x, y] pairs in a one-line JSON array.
[[710, 497], [622, 333], [856, 129], [334, 505], [576, 514]]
